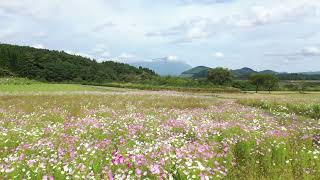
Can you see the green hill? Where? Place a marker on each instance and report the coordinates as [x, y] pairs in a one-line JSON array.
[[244, 73], [311, 73], [196, 72], [202, 72], [164, 66], [268, 72], [58, 66]]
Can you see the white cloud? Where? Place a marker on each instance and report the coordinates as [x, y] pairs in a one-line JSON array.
[[103, 26], [208, 24], [39, 34], [38, 46], [35, 9], [197, 33], [245, 28], [99, 49], [311, 51], [206, 2], [105, 54], [80, 54], [101, 53], [172, 57], [218, 54], [127, 56], [6, 34]]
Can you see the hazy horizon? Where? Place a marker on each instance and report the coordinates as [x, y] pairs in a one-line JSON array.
[[282, 36]]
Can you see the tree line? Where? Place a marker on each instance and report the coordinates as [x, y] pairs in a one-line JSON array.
[[223, 76], [59, 66]]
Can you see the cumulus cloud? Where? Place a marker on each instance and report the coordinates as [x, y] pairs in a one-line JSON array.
[[80, 54], [103, 26], [197, 33], [311, 51], [127, 56], [105, 54], [189, 31], [100, 48], [34, 9], [202, 27], [205, 1], [38, 46], [240, 28], [7, 33], [101, 52], [172, 57], [40, 34], [218, 54]]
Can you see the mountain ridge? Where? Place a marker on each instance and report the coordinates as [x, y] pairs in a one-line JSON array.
[[163, 66], [245, 72]]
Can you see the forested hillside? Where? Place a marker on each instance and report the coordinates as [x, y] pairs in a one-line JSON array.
[[58, 66]]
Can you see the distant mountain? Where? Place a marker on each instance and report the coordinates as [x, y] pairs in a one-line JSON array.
[[164, 66], [311, 73], [268, 72], [199, 71], [202, 72], [244, 73]]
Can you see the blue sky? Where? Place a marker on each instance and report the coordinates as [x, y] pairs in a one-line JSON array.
[[262, 34]]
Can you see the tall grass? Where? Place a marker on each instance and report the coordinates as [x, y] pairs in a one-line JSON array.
[[209, 89], [311, 110], [16, 85]]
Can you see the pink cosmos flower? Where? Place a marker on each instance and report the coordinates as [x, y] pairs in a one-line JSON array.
[[47, 178], [225, 149], [155, 169], [202, 177], [26, 146], [122, 140], [138, 172], [31, 162], [21, 157], [110, 175], [117, 159]]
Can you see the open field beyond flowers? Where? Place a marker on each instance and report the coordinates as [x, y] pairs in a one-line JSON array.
[[157, 135]]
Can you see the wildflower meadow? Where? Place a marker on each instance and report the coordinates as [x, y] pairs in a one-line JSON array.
[[99, 134]]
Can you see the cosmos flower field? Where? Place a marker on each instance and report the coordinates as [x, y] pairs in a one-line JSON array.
[[151, 135]]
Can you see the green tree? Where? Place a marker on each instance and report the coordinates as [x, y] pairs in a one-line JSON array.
[[220, 76], [56, 66], [271, 82], [267, 81], [257, 80], [5, 73], [302, 86]]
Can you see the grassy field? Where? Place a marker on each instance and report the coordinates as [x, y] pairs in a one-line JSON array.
[[307, 104], [151, 87], [82, 132]]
